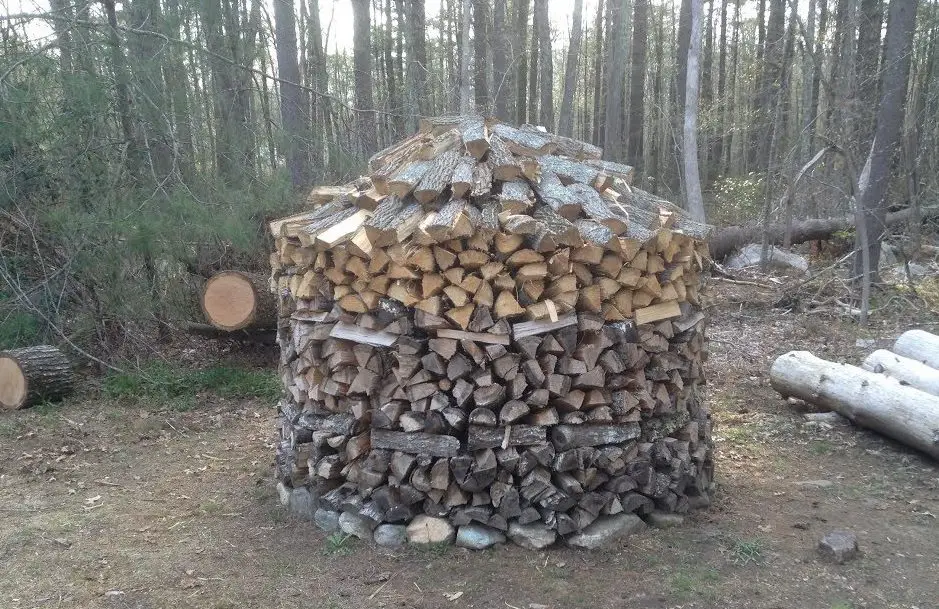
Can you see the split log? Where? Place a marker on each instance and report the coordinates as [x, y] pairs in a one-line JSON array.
[[919, 345], [907, 371], [870, 400], [232, 300], [32, 375]]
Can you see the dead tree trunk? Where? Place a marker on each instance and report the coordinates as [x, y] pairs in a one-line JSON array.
[[907, 371], [870, 400], [919, 345]]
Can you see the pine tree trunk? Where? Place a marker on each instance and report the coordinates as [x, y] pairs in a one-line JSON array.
[[294, 131], [466, 89], [502, 85], [637, 81], [418, 104], [598, 65], [566, 115], [546, 76], [362, 66], [481, 54], [695, 202], [520, 56], [614, 148]]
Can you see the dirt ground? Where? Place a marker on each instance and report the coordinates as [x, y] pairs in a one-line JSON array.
[[113, 505]]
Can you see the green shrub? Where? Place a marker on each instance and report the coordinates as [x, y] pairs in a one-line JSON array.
[[17, 329]]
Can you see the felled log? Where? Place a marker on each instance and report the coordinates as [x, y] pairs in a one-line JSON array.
[[725, 240], [875, 401], [907, 371], [233, 300], [919, 345], [32, 375]]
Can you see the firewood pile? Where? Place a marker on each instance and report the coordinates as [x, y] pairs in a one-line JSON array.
[[492, 331]]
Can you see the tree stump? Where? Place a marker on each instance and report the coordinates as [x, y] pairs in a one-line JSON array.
[[232, 300], [32, 375]]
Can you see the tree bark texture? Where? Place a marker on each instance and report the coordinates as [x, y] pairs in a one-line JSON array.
[[695, 201], [32, 375], [614, 148], [566, 115], [362, 66]]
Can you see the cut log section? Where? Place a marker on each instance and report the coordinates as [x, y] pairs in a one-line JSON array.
[[874, 401], [232, 300], [32, 375], [907, 371], [919, 345]]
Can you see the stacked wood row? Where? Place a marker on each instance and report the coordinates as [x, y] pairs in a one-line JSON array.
[[493, 327]]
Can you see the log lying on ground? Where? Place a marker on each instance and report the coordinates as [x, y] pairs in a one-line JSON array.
[[919, 345], [726, 240], [32, 375], [870, 400], [233, 300], [907, 371]]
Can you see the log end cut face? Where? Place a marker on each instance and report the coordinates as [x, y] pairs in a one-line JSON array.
[[229, 301], [13, 386]]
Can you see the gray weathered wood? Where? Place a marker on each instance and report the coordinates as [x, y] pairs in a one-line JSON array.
[[871, 400], [416, 443], [566, 437], [918, 345], [907, 371], [479, 436]]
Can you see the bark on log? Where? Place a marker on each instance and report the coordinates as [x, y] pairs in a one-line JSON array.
[[32, 375], [726, 240], [232, 300], [907, 371], [919, 345], [870, 400]]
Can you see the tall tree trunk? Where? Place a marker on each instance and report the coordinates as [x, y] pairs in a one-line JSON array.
[[808, 74], [502, 85], [122, 90], [418, 104], [866, 67], [770, 80], [695, 202], [718, 156], [637, 81], [293, 127], [546, 76], [177, 85], [598, 80], [391, 75], [614, 147], [874, 178], [814, 110], [566, 115], [466, 89], [321, 115], [481, 54], [681, 55], [520, 55], [534, 57], [362, 67]]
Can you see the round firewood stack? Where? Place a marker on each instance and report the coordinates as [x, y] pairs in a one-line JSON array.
[[32, 375], [491, 328], [233, 300]]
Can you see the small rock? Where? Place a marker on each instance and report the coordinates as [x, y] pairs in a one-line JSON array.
[[665, 520], [427, 529], [301, 503], [478, 537], [839, 546], [865, 343], [534, 536], [391, 535], [815, 483], [606, 529], [328, 520], [356, 525], [283, 493]]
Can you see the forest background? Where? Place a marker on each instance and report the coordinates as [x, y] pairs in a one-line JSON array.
[[144, 143]]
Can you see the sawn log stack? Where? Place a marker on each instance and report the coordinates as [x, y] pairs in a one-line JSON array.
[[492, 327]]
